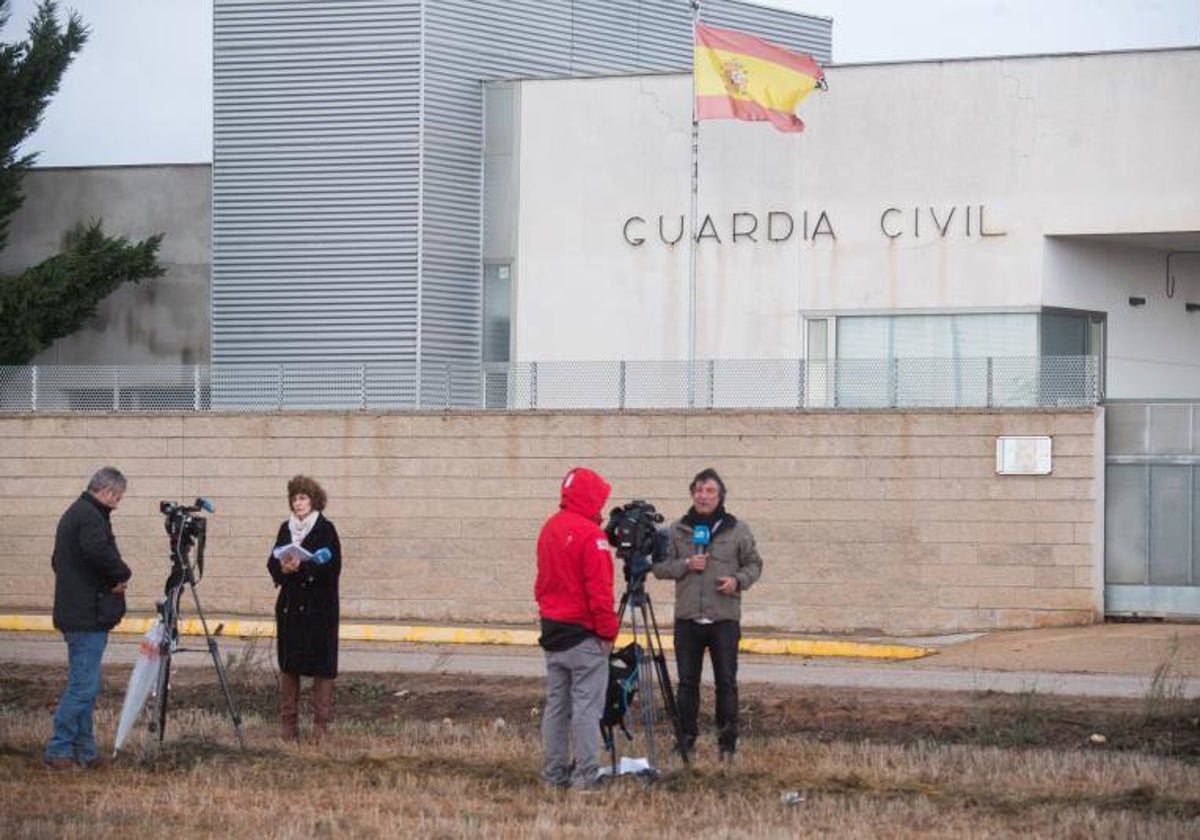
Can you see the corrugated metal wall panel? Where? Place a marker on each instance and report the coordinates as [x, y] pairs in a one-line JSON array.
[[315, 180], [325, 165]]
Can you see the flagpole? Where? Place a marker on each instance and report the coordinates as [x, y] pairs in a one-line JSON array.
[[692, 243]]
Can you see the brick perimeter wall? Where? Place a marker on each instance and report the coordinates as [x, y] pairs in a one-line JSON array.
[[894, 521]]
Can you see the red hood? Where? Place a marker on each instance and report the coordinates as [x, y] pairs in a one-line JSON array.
[[584, 492]]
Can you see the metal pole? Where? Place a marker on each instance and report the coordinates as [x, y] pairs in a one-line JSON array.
[[692, 244]]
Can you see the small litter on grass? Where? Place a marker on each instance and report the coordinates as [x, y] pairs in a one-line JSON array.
[[627, 767]]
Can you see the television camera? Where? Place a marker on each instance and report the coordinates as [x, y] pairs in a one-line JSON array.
[[633, 531], [186, 529]]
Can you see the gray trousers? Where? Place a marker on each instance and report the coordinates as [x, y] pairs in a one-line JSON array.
[[576, 685]]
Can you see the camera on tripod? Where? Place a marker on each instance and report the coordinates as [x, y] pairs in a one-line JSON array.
[[186, 529], [633, 531], [639, 668]]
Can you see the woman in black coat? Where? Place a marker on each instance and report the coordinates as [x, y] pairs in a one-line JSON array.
[[306, 611]]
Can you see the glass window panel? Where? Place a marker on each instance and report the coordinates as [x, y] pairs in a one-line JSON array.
[[921, 337], [818, 339], [937, 336], [871, 351], [1064, 334], [863, 338], [996, 334], [497, 311]]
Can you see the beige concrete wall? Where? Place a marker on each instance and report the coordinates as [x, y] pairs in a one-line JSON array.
[[873, 520]]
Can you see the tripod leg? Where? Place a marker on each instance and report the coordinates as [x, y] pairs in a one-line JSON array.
[[162, 687], [215, 652], [645, 687], [664, 683]]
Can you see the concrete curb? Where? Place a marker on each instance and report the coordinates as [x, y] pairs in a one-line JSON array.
[[435, 635]]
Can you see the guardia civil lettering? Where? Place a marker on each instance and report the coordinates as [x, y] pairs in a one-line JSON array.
[[773, 227]]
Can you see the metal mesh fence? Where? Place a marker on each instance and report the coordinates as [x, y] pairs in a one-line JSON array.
[[1016, 382]]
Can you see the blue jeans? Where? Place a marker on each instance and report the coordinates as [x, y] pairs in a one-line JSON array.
[[73, 735]]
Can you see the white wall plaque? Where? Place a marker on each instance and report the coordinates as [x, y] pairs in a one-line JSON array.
[[1022, 455]]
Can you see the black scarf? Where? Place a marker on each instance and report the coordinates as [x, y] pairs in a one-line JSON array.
[[718, 519]]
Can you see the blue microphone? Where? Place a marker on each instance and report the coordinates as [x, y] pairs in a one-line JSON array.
[[701, 537], [206, 505], [322, 556]]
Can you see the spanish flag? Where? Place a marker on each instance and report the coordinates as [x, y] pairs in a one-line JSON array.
[[739, 77]]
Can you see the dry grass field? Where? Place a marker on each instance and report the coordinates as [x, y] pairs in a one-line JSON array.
[[453, 756]]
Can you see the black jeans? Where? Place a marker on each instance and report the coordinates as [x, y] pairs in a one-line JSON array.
[[721, 639]]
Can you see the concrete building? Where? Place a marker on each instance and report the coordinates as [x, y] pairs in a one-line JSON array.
[[950, 228], [1036, 206]]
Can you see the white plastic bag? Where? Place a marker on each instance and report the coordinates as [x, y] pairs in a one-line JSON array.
[[141, 682]]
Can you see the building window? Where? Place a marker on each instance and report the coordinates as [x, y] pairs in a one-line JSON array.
[[937, 360], [497, 312], [955, 336]]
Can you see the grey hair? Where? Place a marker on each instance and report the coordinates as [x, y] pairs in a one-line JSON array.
[[106, 477]]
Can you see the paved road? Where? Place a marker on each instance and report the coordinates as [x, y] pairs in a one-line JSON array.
[[521, 661]]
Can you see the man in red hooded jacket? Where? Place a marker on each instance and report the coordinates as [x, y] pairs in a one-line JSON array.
[[574, 592]]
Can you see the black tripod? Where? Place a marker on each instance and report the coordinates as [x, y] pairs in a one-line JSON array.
[[648, 665], [185, 531]]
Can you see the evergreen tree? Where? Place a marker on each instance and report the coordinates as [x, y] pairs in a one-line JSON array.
[[54, 298]]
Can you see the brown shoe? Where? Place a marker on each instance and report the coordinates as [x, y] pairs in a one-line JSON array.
[[100, 762], [60, 764], [324, 689], [289, 701]]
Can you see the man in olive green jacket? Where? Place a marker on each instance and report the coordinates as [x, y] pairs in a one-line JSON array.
[[713, 559]]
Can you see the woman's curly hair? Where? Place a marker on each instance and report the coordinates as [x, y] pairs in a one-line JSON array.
[[303, 485]]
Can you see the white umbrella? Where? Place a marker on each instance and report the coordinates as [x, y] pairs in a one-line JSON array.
[[141, 682]]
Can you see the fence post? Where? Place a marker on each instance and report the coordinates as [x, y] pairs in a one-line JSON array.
[[533, 385], [833, 370], [801, 381], [621, 385], [709, 381], [990, 395], [893, 374], [362, 386], [33, 388], [116, 388]]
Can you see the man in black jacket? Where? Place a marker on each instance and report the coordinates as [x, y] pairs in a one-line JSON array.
[[89, 600]]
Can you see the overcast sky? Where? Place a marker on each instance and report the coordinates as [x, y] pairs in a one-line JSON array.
[[141, 89]]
